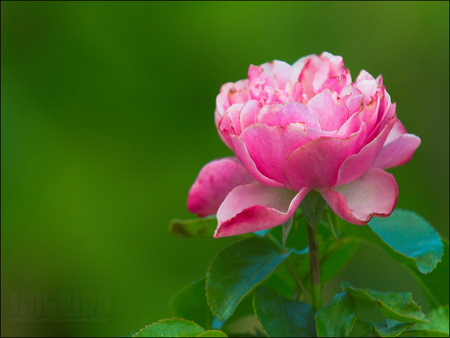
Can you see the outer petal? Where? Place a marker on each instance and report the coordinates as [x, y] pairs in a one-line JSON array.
[[213, 183], [397, 152], [373, 194], [254, 207]]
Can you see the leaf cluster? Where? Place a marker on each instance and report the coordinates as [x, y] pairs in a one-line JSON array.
[[260, 285]]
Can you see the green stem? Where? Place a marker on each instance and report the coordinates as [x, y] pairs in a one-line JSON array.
[[316, 287], [297, 280]]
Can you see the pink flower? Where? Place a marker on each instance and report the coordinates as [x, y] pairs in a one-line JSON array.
[[297, 128]]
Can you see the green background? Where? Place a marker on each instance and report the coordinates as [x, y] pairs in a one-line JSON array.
[[107, 117]]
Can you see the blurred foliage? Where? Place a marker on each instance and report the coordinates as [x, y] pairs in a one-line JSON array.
[[107, 117]]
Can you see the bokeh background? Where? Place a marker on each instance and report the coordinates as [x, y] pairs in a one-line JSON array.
[[107, 117]]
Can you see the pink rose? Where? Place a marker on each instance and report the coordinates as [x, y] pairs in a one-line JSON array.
[[297, 128]]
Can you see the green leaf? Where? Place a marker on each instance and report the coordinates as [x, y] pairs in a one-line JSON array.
[[408, 233], [398, 306], [212, 333], [197, 227], [237, 269], [435, 284], [392, 328], [437, 326], [336, 319], [275, 282], [404, 235], [190, 303], [313, 206], [281, 317], [171, 328]]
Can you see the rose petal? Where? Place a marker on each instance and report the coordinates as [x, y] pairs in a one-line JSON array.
[[248, 114], [254, 207], [280, 70], [240, 150], [306, 77], [286, 113], [397, 152], [233, 113], [269, 147], [222, 99], [331, 115], [356, 165], [213, 183], [373, 194], [397, 130], [316, 164]]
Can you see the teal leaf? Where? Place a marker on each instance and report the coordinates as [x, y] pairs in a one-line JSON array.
[[197, 227], [336, 319], [281, 317], [437, 326], [171, 328], [313, 206], [404, 235], [190, 303], [398, 306], [237, 269], [212, 333], [411, 235], [392, 328], [435, 284]]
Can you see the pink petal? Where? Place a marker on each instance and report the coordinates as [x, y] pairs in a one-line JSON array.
[[316, 164], [357, 164], [222, 99], [293, 83], [240, 150], [254, 207], [331, 116], [286, 113], [306, 77], [240, 92], [397, 131], [321, 75], [248, 114], [280, 70], [233, 113], [225, 130], [367, 85], [397, 152], [352, 125], [373, 194], [213, 183], [269, 147]]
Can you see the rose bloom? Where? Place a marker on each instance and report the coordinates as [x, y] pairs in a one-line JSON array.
[[299, 128]]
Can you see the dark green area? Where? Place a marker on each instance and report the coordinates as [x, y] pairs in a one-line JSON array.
[[107, 118]]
